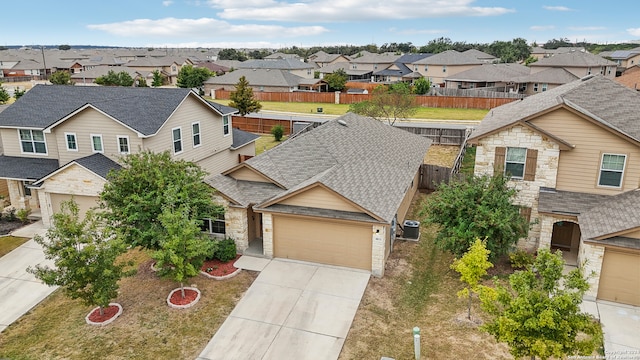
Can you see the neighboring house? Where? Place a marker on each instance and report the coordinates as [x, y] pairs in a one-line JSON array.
[[264, 80], [495, 76], [482, 56], [573, 153], [213, 67], [169, 66], [400, 70], [333, 195], [624, 58], [372, 62], [322, 59], [89, 77], [280, 55], [630, 78], [539, 52], [59, 141], [542, 81], [578, 63], [448, 63], [295, 67], [352, 74]]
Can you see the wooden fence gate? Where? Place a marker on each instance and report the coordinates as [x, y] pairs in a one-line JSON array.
[[432, 175]]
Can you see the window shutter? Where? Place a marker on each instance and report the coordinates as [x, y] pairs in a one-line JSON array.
[[530, 165], [526, 213], [498, 163]]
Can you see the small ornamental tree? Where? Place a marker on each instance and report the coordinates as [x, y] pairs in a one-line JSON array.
[[388, 103], [337, 80], [277, 131], [472, 267], [17, 93], [421, 86], [183, 247], [538, 314], [135, 196], [60, 78], [480, 207], [242, 98], [193, 77], [158, 79], [115, 79], [85, 255], [4, 95]]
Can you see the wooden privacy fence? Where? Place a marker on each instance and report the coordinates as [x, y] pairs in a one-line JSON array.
[[260, 125], [438, 135], [457, 102], [432, 175]]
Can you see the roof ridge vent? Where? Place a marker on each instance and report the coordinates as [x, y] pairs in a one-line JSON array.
[[587, 77]]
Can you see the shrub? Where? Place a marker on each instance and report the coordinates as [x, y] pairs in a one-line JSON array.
[[521, 259], [11, 214], [277, 131], [226, 250], [23, 215]]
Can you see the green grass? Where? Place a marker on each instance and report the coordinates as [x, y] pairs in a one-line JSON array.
[[8, 243], [340, 109], [469, 161], [266, 142]]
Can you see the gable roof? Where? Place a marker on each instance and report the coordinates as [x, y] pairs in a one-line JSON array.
[[279, 64], [573, 59], [612, 215], [96, 163], [242, 138], [491, 72], [600, 98], [25, 168], [548, 76], [366, 161], [258, 77], [450, 57], [142, 109]]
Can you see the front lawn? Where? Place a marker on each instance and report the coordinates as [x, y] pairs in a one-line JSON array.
[[147, 329], [9, 243], [418, 289], [266, 142]]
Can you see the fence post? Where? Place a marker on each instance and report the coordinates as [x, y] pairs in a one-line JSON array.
[[416, 342], [337, 97]]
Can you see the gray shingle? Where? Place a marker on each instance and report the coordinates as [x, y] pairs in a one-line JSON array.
[[573, 59], [98, 164], [491, 73], [242, 138], [24, 168], [612, 215], [567, 202]]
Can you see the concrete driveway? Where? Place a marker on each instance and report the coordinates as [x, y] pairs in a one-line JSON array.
[[620, 325], [20, 290], [292, 310]]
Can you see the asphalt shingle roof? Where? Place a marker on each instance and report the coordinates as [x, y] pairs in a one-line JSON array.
[[450, 57], [242, 138], [257, 77], [276, 64], [567, 202], [98, 164], [24, 168], [573, 59], [611, 215], [601, 98], [44, 105], [491, 72], [548, 76]]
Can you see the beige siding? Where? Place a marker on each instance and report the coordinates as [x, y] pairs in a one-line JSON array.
[[247, 174], [219, 162], [12, 147], [620, 277], [436, 74], [212, 139], [580, 71], [634, 234], [408, 197], [319, 197], [579, 168], [334, 243], [92, 122]]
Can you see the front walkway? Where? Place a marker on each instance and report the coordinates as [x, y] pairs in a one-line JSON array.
[[293, 310], [620, 325], [20, 290]]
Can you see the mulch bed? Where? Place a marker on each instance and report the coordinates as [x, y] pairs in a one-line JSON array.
[[7, 227], [108, 313], [189, 297], [218, 268]]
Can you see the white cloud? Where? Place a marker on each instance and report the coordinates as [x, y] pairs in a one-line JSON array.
[[348, 10], [542, 27], [202, 28], [556, 8], [586, 28], [167, 3], [634, 31]]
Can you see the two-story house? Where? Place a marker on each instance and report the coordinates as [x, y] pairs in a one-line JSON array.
[[61, 141], [578, 63], [440, 66], [573, 154]]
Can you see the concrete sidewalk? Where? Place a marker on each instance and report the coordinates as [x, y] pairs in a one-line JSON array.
[[620, 325], [19, 290], [293, 310]]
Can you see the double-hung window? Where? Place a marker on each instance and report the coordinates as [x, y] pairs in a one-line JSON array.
[[195, 129], [214, 225], [226, 125], [123, 144], [96, 143], [32, 141], [515, 161], [611, 170], [177, 140], [72, 142]]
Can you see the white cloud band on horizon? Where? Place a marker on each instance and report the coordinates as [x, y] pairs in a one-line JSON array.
[[542, 27], [556, 8], [634, 31], [202, 28]]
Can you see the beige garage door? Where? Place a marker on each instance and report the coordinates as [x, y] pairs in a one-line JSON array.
[[620, 277], [84, 202], [325, 242]]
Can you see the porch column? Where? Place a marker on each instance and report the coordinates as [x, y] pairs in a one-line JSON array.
[[378, 250], [16, 194], [546, 231], [237, 227], [590, 260], [267, 235]]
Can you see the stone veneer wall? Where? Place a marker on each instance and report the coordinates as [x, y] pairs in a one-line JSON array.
[[590, 259], [546, 228], [378, 242], [267, 235], [237, 227], [546, 171]]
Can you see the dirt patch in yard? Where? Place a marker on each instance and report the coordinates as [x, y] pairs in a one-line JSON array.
[[418, 289], [441, 155]]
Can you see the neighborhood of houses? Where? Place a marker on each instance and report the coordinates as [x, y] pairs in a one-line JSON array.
[[337, 194]]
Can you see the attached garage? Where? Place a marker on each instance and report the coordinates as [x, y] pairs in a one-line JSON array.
[[84, 202], [620, 277], [331, 242]]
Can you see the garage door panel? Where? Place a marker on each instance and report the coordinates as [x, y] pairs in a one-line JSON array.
[[620, 277], [84, 202], [326, 242]]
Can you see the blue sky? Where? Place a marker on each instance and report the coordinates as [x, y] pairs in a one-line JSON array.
[[304, 23]]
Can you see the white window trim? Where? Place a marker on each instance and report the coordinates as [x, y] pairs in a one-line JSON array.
[[524, 164], [66, 141], [193, 135], [46, 147], [228, 125], [173, 141], [128, 144], [624, 167], [93, 148]]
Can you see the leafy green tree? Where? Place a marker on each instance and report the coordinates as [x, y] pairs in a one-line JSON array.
[[231, 54], [242, 98], [337, 80], [479, 207], [472, 267], [85, 257], [437, 46], [388, 103], [539, 314], [60, 78], [277, 131], [531, 59], [135, 197], [4, 95], [421, 86], [193, 77], [183, 247], [115, 79], [158, 78], [17, 93]]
